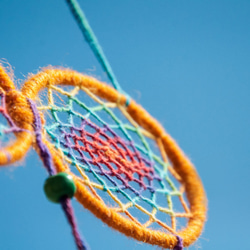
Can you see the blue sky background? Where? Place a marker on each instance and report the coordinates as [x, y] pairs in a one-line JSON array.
[[186, 62]]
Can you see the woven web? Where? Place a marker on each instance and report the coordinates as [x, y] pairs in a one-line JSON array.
[[118, 161]]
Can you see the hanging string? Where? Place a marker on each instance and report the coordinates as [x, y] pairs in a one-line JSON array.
[[93, 42], [48, 163]]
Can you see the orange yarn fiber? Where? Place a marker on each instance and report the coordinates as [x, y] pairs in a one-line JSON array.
[[19, 110]]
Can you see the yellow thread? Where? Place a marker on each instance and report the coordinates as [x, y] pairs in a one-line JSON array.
[[116, 200], [151, 219]]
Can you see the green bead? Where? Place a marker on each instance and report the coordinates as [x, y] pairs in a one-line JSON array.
[[59, 186]]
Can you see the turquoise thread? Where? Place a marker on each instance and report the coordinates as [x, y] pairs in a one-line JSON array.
[[94, 44]]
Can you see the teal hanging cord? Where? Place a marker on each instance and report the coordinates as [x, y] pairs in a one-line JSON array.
[[94, 44]]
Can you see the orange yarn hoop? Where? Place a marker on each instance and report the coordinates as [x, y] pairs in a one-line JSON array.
[[20, 112], [190, 179]]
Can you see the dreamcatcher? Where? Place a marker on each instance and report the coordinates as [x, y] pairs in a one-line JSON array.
[[103, 148]]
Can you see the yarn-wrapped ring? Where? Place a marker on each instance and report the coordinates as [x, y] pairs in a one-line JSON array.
[[190, 179], [18, 109]]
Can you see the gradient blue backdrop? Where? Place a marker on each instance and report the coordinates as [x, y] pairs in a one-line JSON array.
[[186, 62]]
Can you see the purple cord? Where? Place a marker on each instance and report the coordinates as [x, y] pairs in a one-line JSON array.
[[179, 245], [66, 205], [48, 163], [44, 151]]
